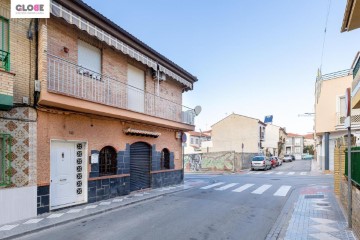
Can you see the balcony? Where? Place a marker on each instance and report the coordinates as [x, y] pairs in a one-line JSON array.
[[69, 79], [4, 60], [355, 119], [6, 83]]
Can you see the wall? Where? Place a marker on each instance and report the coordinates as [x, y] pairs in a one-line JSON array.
[[98, 132], [17, 204], [22, 54], [325, 108], [355, 205], [271, 136], [227, 161], [232, 131]]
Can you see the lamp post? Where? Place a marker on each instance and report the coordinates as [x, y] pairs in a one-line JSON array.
[[348, 125]]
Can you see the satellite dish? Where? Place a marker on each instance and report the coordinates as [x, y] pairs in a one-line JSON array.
[[197, 110]]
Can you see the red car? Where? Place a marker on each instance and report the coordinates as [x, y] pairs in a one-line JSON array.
[[274, 162]]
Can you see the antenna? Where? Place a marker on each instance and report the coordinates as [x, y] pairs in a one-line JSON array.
[[197, 110]]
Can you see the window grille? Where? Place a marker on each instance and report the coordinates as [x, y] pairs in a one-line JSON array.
[[107, 161], [165, 159], [4, 44], [5, 155]]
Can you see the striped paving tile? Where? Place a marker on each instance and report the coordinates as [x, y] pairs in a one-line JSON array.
[[55, 215], [8, 227], [226, 186], [32, 221], [243, 188], [291, 173], [105, 203], [279, 173], [213, 185], [91, 206], [282, 191], [74, 211], [258, 173], [118, 200], [261, 189]]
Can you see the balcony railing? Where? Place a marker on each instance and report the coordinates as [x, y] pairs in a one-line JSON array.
[[69, 79], [4, 60], [355, 118]]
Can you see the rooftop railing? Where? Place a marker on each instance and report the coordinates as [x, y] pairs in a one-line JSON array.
[[70, 79]]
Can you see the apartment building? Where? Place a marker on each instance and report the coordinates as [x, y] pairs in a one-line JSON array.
[[330, 115], [294, 145], [195, 140], [275, 137], [106, 115]]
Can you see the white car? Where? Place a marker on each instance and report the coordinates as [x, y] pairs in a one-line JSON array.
[[260, 162], [287, 158]]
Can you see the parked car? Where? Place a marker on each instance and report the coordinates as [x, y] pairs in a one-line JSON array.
[[307, 157], [293, 157], [279, 160], [260, 162], [274, 162], [287, 158]]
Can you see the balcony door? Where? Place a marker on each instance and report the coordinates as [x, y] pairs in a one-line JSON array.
[[136, 89]]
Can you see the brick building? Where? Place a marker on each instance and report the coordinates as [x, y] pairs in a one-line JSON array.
[[109, 111]]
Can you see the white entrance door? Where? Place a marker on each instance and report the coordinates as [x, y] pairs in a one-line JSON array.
[[63, 174]]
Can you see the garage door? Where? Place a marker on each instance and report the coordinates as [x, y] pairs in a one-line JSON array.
[[140, 159]]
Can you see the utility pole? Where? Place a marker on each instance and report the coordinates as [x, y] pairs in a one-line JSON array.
[[348, 125]]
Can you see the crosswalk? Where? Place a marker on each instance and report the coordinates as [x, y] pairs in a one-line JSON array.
[[277, 173], [281, 191]]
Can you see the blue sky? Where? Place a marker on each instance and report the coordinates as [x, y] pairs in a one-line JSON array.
[[254, 58]]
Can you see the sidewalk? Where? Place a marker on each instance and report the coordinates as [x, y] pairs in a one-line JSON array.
[[316, 215], [63, 216]]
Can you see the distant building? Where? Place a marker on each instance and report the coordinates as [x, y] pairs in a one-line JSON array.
[[274, 140], [238, 133], [195, 140], [309, 140], [294, 145]]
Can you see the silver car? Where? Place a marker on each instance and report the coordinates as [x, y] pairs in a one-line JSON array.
[[260, 162]]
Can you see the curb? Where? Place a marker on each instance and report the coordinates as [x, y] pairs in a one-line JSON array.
[[39, 229]]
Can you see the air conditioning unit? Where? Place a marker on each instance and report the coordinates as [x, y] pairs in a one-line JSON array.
[[37, 86], [162, 76]]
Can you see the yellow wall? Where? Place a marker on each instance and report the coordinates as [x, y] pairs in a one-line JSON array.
[[232, 131], [325, 108]]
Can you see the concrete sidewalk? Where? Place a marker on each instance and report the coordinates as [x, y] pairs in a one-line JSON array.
[[70, 214]]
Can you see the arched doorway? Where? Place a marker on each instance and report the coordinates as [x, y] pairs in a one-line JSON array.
[[140, 162]]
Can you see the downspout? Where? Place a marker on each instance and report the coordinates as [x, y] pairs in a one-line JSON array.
[[36, 95]]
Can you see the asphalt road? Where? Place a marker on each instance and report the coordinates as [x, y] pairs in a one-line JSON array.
[[203, 212]]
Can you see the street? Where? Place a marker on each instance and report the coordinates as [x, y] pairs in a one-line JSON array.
[[230, 206]]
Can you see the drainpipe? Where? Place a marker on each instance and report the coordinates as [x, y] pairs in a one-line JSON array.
[[327, 152], [36, 95]]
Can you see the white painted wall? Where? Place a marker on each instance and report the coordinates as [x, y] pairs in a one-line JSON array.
[[17, 204]]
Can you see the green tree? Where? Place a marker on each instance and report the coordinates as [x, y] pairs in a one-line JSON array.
[[309, 149]]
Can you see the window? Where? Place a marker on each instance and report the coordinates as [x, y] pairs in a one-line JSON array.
[[297, 150], [191, 140], [342, 106], [5, 152], [165, 159], [107, 161], [136, 89], [197, 141], [297, 141], [4, 44], [89, 56]]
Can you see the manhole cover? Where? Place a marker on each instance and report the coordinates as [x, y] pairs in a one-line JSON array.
[[322, 204], [314, 196]]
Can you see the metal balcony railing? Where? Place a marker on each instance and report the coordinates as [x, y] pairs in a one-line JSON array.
[[4, 60], [70, 79]]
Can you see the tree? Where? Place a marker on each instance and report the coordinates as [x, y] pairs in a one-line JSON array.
[[309, 149]]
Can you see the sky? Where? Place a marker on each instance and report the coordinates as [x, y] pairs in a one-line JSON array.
[[253, 58]]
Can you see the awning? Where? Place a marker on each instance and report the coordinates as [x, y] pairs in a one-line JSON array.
[[137, 132], [72, 18]]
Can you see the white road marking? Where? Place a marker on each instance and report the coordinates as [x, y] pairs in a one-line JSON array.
[[212, 185], [35, 220], [282, 191], [258, 173], [261, 189], [303, 173], [291, 173], [226, 186], [279, 173], [242, 188]]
